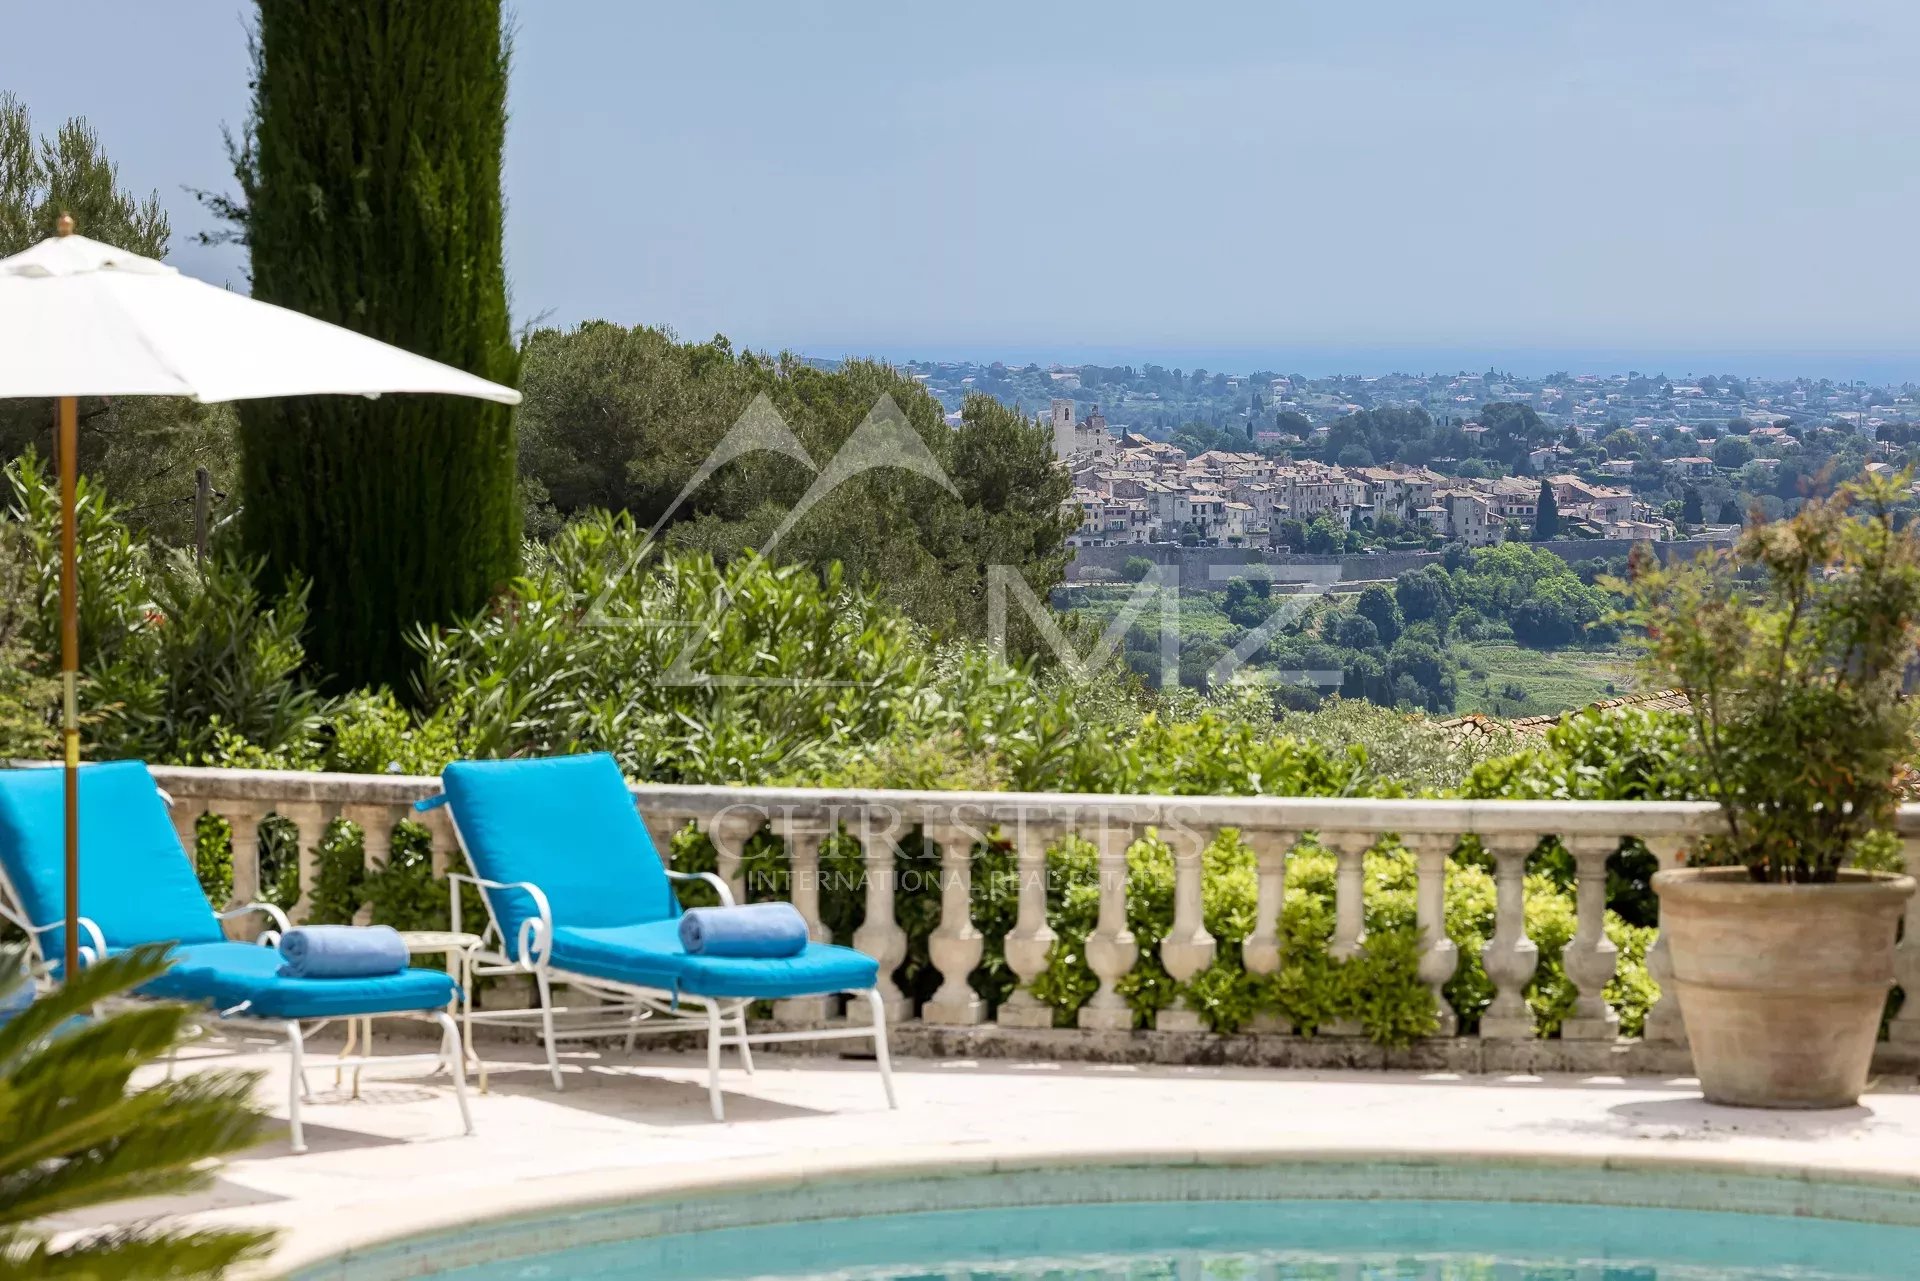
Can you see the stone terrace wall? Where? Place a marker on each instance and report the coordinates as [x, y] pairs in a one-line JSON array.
[[1212, 568]]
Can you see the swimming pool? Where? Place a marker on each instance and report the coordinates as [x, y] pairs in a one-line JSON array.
[[1331, 1220]]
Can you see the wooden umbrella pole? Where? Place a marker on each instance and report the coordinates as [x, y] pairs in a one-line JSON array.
[[69, 446]]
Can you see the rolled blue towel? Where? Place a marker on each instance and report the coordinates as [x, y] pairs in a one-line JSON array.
[[752, 929], [341, 952]]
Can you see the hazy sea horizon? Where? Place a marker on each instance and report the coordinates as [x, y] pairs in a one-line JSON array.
[[1878, 368]]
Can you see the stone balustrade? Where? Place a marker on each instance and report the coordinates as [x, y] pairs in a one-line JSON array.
[[951, 825]]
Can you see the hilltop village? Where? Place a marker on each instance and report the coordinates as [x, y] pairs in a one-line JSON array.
[[1130, 489]]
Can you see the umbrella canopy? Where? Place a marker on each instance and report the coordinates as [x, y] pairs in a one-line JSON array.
[[79, 318]]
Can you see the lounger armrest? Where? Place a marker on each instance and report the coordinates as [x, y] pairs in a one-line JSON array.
[[720, 887], [89, 953], [536, 934], [268, 938], [12, 917]]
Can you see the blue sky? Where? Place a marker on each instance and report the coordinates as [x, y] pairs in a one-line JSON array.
[[1302, 186]]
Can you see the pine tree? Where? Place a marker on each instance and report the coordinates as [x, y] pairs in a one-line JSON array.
[[68, 173], [1546, 515], [370, 184], [1691, 509]]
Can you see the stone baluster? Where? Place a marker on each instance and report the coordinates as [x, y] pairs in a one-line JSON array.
[[880, 935], [376, 835], [1510, 957], [662, 828], [1187, 948], [1590, 957], [443, 845], [1438, 956], [1905, 1028], [1110, 949], [376, 847], [244, 819], [1664, 1024], [1349, 907], [185, 815], [309, 821], [1261, 949], [1349, 891], [803, 837], [955, 945], [1030, 942], [730, 830]]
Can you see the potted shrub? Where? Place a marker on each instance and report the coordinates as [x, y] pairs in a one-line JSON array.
[[1792, 650]]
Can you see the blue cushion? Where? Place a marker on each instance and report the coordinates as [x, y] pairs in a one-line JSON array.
[[568, 824], [650, 955], [136, 883], [222, 975]]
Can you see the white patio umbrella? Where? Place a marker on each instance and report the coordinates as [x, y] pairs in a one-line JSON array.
[[79, 318]]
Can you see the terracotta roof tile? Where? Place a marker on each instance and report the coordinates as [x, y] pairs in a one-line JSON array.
[[1478, 724]]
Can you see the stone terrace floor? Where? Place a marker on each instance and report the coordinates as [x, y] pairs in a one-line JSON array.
[[393, 1162]]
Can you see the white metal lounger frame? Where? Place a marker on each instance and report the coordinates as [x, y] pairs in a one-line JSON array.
[[626, 1009], [450, 1055]]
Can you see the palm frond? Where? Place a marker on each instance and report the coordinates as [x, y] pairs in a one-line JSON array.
[[75, 1135], [135, 1255], [75, 996], [150, 1143]]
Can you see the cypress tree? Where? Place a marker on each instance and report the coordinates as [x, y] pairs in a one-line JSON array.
[[371, 187], [1546, 514]]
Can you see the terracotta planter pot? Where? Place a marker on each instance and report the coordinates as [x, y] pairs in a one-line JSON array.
[[1781, 986]]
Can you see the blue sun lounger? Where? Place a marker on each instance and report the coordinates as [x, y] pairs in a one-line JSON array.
[[138, 886], [577, 895]]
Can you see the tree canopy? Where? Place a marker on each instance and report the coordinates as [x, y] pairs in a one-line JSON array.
[[726, 451], [144, 448]]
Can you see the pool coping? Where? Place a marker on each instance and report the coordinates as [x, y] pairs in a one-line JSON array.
[[309, 1248]]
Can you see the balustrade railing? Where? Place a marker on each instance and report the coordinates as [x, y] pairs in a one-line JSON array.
[[947, 827]]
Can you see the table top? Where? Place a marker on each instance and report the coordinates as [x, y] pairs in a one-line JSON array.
[[438, 940]]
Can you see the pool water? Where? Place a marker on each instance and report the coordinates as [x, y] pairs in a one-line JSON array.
[[1333, 1240]]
